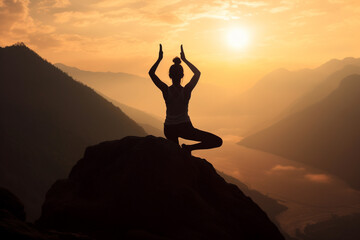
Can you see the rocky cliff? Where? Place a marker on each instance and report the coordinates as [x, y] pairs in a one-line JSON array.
[[148, 188]]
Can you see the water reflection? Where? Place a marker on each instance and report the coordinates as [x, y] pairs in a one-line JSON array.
[[310, 194]]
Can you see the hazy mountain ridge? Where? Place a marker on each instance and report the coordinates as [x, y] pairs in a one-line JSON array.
[[152, 124], [338, 64], [119, 85], [207, 99], [322, 90], [338, 227], [47, 121], [271, 96], [132, 90], [269, 205], [316, 94], [324, 135], [92, 77]]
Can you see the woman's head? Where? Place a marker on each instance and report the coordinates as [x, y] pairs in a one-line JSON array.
[[176, 71]]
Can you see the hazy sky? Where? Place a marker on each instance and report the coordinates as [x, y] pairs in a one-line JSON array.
[[124, 35]]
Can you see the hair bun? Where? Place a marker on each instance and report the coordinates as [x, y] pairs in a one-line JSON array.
[[177, 61]]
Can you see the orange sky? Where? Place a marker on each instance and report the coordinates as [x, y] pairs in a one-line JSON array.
[[112, 35]]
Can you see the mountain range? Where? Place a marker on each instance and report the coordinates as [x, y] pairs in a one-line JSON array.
[[132, 90], [47, 121], [282, 91], [324, 135], [140, 93]]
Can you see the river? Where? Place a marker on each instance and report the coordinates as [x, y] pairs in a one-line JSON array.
[[310, 194]]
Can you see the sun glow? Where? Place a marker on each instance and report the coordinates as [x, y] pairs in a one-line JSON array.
[[237, 38]]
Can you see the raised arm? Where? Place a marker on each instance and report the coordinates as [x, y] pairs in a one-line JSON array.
[[194, 80], [160, 84]]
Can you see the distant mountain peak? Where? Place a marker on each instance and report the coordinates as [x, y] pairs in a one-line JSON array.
[[337, 64], [351, 81], [19, 44], [74, 70], [350, 59], [21, 48]]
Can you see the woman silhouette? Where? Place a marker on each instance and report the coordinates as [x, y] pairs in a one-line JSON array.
[[177, 123]]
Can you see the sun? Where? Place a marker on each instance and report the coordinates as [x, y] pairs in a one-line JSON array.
[[237, 38]]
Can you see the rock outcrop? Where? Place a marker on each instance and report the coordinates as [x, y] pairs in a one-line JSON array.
[[148, 188], [11, 204], [13, 225]]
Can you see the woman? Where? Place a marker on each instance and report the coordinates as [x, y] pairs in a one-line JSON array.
[[177, 123]]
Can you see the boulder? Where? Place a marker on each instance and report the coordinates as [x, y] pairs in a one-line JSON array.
[[148, 188]]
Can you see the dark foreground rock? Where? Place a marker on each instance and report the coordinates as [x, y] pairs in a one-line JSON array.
[[14, 227], [148, 188], [11, 204]]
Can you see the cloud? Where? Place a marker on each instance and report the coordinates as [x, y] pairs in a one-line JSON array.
[[51, 4], [14, 15], [77, 17], [115, 16], [16, 24], [252, 4], [111, 4], [167, 18], [320, 178], [44, 40], [286, 168], [299, 172], [336, 1], [312, 13], [132, 26], [230, 138], [279, 9]]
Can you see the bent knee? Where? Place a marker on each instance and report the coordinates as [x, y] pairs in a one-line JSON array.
[[217, 141]]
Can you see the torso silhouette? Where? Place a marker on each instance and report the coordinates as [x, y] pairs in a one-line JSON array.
[[177, 102], [177, 123]]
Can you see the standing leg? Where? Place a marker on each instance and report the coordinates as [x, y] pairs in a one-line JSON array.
[[207, 140], [171, 134]]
